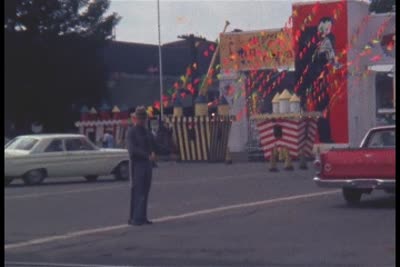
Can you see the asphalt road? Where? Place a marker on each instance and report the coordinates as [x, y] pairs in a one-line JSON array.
[[205, 215]]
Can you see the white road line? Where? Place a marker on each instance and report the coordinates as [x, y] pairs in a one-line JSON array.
[[191, 181], [164, 219], [244, 205], [61, 193], [30, 264]]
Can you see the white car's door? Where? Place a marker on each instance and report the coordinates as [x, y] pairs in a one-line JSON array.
[[110, 159], [83, 158], [52, 158]]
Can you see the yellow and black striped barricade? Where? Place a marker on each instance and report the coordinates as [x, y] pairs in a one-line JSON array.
[[200, 138], [192, 137], [219, 134]]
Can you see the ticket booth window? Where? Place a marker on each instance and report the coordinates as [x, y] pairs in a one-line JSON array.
[[384, 98], [384, 90]]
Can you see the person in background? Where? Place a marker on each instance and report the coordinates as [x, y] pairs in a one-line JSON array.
[[108, 140], [154, 132], [36, 127], [10, 130], [141, 149]]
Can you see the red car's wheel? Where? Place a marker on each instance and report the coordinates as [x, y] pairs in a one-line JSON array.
[[352, 195]]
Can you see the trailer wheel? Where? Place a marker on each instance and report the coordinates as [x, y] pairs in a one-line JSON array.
[[352, 195]]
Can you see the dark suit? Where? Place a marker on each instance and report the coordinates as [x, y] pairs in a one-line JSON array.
[[140, 144]]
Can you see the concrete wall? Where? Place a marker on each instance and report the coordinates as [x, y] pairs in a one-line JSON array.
[[361, 86], [362, 107]]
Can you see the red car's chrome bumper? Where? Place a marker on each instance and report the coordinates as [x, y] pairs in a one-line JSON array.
[[356, 183]]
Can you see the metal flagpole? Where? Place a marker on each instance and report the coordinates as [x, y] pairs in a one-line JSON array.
[[160, 61]]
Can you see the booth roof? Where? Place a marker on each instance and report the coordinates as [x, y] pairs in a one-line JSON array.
[[116, 109], [294, 98], [285, 95], [276, 98]]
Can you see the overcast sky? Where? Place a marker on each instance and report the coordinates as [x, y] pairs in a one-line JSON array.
[[205, 18]]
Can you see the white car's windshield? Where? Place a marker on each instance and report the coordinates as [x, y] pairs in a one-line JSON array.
[[90, 143], [22, 143]]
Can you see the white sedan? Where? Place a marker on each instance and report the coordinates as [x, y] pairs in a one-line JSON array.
[[35, 157]]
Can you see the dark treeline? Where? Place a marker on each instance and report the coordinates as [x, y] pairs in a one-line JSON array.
[[53, 60], [44, 79]]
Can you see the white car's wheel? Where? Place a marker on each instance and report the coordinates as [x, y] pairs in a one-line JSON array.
[[7, 180], [91, 178], [34, 177], [122, 171]]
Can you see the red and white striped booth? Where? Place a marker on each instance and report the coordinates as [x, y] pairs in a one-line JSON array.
[[97, 126], [297, 132], [117, 128]]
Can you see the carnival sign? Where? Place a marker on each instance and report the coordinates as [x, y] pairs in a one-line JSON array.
[[255, 50], [320, 35]]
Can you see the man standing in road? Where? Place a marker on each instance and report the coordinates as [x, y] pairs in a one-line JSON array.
[[141, 148]]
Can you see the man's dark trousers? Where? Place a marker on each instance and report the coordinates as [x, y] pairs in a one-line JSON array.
[[132, 188], [142, 174], [132, 208]]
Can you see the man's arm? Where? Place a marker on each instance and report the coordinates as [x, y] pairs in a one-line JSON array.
[[154, 147], [133, 149]]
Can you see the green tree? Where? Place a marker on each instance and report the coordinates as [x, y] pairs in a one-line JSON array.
[[53, 58], [42, 18]]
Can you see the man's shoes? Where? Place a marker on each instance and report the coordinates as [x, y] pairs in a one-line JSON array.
[[132, 222]]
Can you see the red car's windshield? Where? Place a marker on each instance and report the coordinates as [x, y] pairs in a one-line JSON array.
[[382, 138]]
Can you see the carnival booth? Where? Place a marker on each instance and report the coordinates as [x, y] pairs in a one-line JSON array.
[[287, 127], [94, 125]]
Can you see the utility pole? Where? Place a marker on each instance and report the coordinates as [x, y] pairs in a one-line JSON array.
[[160, 62], [114, 33]]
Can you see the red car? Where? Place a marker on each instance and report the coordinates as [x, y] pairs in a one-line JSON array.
[[361, 170]]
